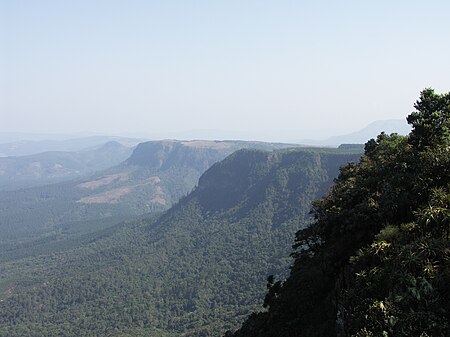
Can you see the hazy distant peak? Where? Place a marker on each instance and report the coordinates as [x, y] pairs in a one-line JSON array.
[[372, 130], [113, 145], [399, 126], [21, 147]]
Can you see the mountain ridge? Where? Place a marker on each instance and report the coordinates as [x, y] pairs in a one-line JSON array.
[[155, 176]]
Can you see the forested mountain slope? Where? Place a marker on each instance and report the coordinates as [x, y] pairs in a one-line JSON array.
[[155, 176], [376, 262], [197, 270]]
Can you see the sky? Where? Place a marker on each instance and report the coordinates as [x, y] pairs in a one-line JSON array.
[[264, 70]]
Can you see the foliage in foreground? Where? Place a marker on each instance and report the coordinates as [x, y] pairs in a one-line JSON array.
[[376, 262]]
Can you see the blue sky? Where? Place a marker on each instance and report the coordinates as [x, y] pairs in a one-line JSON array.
[[272, 70]]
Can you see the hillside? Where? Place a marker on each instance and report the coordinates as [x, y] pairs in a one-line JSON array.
[[56, 166], [156, 175], [196, 270], [376, 262]]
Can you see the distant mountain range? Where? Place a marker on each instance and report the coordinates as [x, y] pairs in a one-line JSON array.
[[18, 144], [24, 147], [56, 166]]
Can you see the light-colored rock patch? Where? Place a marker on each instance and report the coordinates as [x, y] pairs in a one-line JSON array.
[[104, 181], [108, 197]]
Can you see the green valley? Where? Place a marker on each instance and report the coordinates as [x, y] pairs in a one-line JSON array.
[[196, 270]]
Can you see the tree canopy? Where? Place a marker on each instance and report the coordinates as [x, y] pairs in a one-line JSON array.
[[376, 261]]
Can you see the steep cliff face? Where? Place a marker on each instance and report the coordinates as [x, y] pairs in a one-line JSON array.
[[160, 155]]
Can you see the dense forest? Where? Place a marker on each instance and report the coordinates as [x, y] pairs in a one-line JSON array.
[[376, 261], [197, 270]]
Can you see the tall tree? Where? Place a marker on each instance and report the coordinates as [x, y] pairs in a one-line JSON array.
[[431, 120]]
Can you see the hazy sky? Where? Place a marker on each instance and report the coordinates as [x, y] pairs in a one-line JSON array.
[[274, 70]]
